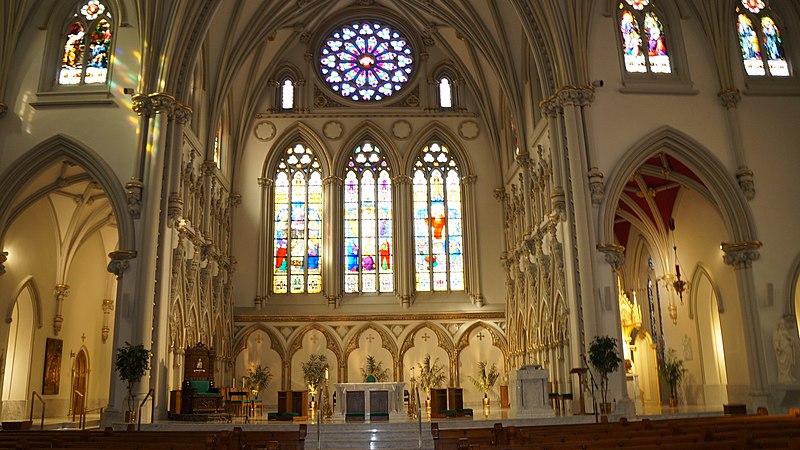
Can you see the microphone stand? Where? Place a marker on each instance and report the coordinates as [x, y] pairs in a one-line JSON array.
[[593, 385]]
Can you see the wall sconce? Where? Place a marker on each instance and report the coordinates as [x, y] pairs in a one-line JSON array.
[[678, 284]]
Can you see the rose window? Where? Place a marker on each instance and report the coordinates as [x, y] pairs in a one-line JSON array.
[[366, 61]]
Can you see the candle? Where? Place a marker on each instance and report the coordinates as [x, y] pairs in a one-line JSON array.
[[326, 373]]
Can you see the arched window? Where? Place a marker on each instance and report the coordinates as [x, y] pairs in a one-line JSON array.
[[644, 44], [218, 146], [368, 245], [756, 25], [86, 45], [445, 93], [287, 94], [438, 239], [297, 243]]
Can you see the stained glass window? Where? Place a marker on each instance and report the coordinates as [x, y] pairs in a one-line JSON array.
[[644, 47], [366, 61], [297, 243], [287, 94], [438, 236], [91, 29], [751, 37], [368, 245], [218, 146]]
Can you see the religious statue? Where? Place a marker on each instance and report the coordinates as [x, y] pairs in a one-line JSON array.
[[785, 353]]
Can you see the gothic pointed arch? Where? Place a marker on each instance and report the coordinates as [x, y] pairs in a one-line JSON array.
[[29, 284], [298, 132], [442, 337], [702, 271], [332, 342], [387, 341], [497, 335], [433, 132], [287, 88], [367, 131], [54, 150], [793, 289], [723, 191], [276, 341]]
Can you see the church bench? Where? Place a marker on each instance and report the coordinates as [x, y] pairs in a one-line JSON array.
[[264, 439], [446, 439]]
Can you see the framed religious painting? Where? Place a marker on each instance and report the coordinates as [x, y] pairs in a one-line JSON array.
[[52, 366]]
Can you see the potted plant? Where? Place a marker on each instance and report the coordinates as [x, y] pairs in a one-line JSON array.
[[484, 380], [258, 380], [673, 371], [132, 362], [314, 372], [375, 369], [604, 357], [431, 375]]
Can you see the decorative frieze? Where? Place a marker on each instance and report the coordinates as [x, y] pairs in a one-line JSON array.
[[740, 255]]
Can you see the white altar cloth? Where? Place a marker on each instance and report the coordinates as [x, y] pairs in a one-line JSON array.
[[395, 396]]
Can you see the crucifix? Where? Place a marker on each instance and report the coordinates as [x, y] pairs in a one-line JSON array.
[[313, 338], [370, 338], [425, 337], [480, 336]]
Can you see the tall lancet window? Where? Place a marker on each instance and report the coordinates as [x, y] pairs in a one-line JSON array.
[[445, 93], [87, 45], [297, 243], [287, 94], [438, 236], [644, 43], [756, 25], [368, 246]]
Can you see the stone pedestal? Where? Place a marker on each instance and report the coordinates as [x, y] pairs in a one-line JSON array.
[[529, 391]]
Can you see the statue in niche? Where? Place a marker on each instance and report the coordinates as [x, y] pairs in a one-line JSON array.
[[785, 352]]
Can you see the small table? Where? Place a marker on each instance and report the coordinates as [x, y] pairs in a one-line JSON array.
[[239, 403]]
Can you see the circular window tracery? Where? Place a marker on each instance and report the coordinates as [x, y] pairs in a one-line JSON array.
[[366, 61]]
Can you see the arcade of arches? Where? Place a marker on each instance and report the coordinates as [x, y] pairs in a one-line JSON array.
[[478, 181]]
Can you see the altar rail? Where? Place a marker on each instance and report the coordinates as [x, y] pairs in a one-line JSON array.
[[708, 433], [235, 439]]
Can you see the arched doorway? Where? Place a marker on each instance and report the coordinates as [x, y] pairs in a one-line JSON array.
[[16, 376], [80, 382]]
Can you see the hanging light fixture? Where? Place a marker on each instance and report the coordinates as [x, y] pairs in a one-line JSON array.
[[678, 284]]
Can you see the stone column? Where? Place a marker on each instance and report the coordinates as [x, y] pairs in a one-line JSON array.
[[333, 257], [120, 262], [740, 255], [471, 256], [265, 244], [744, 176], [405, 281]]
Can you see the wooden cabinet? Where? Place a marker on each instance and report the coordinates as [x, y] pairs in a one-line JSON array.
[[438, 402], [455, 398], [293, 402]]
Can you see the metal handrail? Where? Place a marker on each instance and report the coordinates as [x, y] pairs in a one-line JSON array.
[[34, 395], [83, 403], [149, 395], [83, 416]]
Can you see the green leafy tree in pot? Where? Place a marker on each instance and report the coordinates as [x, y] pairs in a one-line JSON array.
[[132, 362], [673, 372], [485, 380], [375, 369], [604, 357], [431, 374], [258, 380], [314, 371]]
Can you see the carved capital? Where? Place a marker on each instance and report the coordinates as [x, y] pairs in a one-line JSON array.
[[108, 305], [266, 182], [500, 194], [181, 113], [61, 292], [730, 97], [135, 188], [402, 180], [744, 177], [551, 107], [332, 181], [235, 200], [469, 179], [209, 167], [615, 255], [142, 105], [174, 207], [558, 204], [119, 261], [3, 109], [162, 103], [596, 185], [740, 255], [3, 259], [576, 95]]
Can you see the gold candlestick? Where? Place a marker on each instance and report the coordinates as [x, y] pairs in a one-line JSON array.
[[327, 411]]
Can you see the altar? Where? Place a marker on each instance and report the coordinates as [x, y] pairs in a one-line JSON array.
[[372, 400]]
